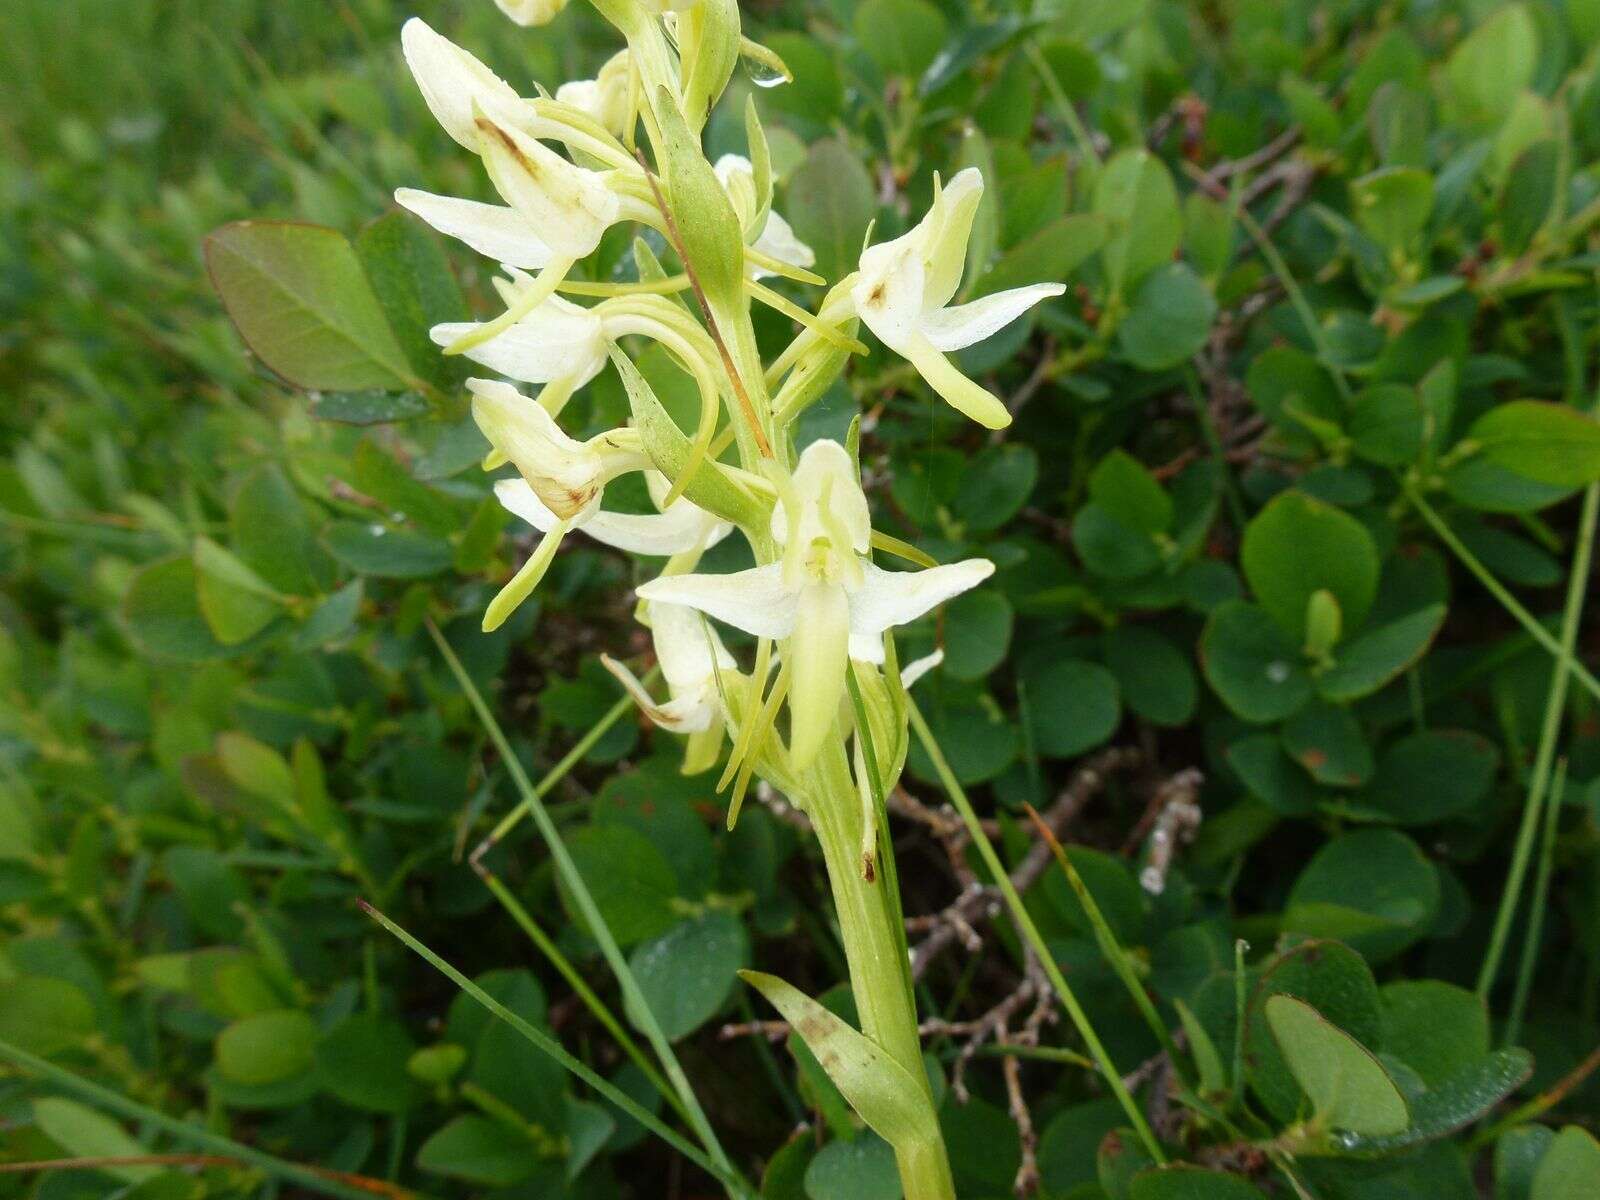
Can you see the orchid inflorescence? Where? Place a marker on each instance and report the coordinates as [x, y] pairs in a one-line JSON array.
[[568, 168]]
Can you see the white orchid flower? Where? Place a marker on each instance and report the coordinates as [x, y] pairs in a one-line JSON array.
[[691, 656], [681, 527], [608, 97], [776, 239], [558, 211], [904, 287], [559, 344], [532, 12], [825, 595], [567, 476]]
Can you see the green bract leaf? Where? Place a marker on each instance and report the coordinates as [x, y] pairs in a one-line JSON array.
[[893, 1104]]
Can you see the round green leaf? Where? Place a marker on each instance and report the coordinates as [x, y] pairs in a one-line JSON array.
[[687, 972], [977, 633], [363, 1061], [267, 1047], [1433, 775], [479, 1150], [1156, 678], [1348, 1087], [631, 881], [1183, 1182], [860, 1169], [1251, 664], [1435, 1028], [1549, 443], [1168, 320], [1372, 889], [1073, 706], [1297, 546]]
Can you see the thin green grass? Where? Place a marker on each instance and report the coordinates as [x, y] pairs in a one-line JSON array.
[[1030, 931], [590, 912], [203, 1139]]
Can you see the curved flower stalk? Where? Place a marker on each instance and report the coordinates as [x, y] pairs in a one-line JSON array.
[[819, 708], [903, 291]]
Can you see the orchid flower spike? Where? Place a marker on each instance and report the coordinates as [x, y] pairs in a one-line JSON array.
[[559, 344], [776, 239], [825, 595], [904, 287], [567, 476]]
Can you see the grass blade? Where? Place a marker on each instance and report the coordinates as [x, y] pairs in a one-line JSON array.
[[1549, 733], [590, 912], [548, 1045], [1030, 931], [323, 1183]]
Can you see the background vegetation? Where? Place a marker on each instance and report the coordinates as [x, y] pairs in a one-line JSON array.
[[1287, 642]]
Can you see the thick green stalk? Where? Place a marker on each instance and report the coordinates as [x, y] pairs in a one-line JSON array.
[[879, 977]]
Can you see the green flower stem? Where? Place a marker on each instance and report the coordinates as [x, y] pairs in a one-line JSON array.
[[1550, 732], [874, 948], [1030, 931]]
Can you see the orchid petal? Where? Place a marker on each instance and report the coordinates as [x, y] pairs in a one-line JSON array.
[[689, 650], [913, 671], [683, 527], [521, 586], [778, 241], [945, 231], [558, 339], [962, 394], [492, 230], [818, 652], [888, 291], [967, 324], [451, 80], [889, 598], [757, 601], [825, 468], [569, 205]]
